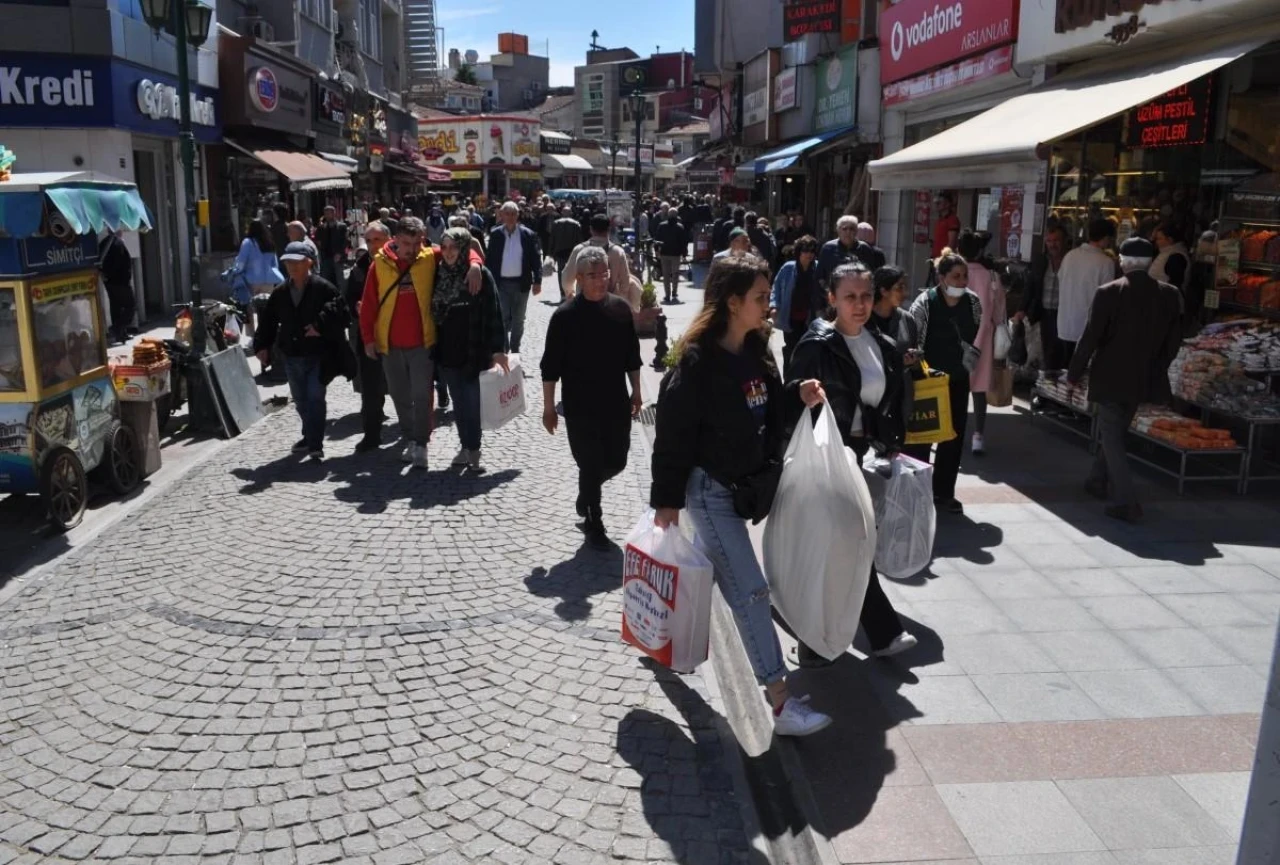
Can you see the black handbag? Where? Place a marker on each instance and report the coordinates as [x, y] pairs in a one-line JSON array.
[[753, 495]]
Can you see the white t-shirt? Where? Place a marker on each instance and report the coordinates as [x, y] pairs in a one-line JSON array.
[[866, 354]]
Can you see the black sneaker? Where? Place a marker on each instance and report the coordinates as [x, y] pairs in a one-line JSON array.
[[301, 446], [581, 507], [368, 443], [315, 454], [1127, 513], [951, 506]]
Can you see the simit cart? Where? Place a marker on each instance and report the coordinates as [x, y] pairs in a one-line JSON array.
[[59, 414]]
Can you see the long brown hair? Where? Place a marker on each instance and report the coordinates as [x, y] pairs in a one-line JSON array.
[[730, 276]]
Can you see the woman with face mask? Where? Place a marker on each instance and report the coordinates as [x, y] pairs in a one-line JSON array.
[[947, 318]]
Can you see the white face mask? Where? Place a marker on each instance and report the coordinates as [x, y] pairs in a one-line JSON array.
[[952, 291]]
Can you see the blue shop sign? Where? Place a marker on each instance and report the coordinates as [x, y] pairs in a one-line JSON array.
[[61, 91], [43, 255]]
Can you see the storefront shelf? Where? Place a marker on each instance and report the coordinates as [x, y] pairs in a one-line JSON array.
[[1260, 265], [1256, 466], [1268, 312], [1068, 417], [1212, 464]]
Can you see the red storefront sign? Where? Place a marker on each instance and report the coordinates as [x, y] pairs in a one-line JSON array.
[[916, 35], [950, 77], [1179, 117], [814, 16], [920, 221]]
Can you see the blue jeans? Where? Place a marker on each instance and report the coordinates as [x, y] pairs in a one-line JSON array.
[[515, 301], [308, 397], [464, 389], [738, 574]]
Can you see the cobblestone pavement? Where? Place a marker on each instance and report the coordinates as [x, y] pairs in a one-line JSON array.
[[279, 661]]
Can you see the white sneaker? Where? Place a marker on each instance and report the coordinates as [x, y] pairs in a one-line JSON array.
[[900, 644], [462, 459], [979, 445], [797, 719], [473, 461], [419, 456], [406, 455]]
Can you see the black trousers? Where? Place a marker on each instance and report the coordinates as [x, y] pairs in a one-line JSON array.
[[599, 444], [1054, 349], [123, 306], [946, 462], [879, 619], [789, 341], [373, 391]]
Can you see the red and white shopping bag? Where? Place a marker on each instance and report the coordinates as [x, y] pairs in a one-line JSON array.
[[501, 394], [666, 596]]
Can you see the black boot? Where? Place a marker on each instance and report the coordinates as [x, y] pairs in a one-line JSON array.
[[370, 442]]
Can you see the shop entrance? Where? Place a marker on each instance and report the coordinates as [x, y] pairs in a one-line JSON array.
[[153, 170], [144, 163]]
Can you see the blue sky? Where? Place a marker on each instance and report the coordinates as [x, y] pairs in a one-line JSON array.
[[567, 24]]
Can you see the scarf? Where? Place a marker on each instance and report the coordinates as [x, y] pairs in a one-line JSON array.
[[451, 282]]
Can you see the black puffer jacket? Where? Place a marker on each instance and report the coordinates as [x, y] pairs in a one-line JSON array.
[[823, 354], [704, 422]]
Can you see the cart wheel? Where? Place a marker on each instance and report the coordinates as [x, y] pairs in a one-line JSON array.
[[64, 488], [121, 467]]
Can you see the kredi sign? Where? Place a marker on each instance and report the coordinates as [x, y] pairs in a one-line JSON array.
[[50, 91], [160, 102]]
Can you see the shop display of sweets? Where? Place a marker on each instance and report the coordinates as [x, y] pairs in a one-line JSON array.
[[1054, 386], [1211, 368], [1181, 432]]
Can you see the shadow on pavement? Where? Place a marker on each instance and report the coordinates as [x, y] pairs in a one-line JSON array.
[[1040, 464], [848, 764], [591, 571], [686, 790]]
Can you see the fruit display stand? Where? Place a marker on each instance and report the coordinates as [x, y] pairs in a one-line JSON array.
[[1200, 453]]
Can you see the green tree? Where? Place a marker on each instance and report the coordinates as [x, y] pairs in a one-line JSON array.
[[466, 75]]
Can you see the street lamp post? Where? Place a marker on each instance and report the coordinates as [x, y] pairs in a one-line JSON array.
[[637, 108], [613, 170]]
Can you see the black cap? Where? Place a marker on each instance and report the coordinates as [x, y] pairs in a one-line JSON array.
[[1137, 247]]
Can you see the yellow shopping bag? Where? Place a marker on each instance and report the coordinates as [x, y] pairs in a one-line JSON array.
[[930, 420]]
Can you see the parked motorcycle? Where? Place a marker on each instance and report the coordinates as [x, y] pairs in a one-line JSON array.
[[223, 324]]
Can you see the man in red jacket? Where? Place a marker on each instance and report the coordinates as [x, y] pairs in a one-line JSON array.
[[396, 323]]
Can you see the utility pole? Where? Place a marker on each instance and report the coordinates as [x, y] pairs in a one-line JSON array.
[[637, 106], [613, 170]]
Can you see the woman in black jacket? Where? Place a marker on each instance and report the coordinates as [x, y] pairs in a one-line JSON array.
[[720, 426], [947, 318], [862, 381]]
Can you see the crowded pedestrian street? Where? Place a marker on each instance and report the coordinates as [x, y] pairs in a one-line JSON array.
[[702, 432]]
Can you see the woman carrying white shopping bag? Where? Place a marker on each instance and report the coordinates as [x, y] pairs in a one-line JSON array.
[[861, 373], [716, 454]]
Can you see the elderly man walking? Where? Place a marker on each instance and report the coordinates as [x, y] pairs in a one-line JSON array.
[[619, 269], [592, 347], [396, 323], [515, 258]]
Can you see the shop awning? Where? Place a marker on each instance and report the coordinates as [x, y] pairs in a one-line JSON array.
[[87, 200], [434, 173], [785, 157], [566, 162], [344, 162], [298, 167], [1004, 146]]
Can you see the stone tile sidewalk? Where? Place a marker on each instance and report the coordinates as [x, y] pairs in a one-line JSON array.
[[279, 661]]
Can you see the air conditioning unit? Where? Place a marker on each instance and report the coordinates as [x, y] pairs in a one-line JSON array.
[[258, 28]]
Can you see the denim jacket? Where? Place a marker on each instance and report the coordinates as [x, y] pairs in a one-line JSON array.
[[780, 298]]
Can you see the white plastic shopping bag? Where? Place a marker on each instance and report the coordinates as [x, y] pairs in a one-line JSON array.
[[501, 394], [820, 538], [666, 595], [902, 489]]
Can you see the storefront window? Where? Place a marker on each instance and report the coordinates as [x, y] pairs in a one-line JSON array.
[[12, 377], [1198, 167], [67, 339]]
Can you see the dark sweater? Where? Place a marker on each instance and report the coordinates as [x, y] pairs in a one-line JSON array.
[[591, 346], [284, 324]]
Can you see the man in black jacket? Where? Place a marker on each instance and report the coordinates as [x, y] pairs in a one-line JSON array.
[[515, 260], [845, 248], [373, 387], [303, 316], [116, 265], [1132, 336], [1041, 303], [566, 233], [673, 242], [331, 241]]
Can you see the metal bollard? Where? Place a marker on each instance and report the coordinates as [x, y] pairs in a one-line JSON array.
[[660, 350]]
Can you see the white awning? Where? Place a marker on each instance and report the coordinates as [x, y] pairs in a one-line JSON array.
[[1004, 146], [560, 136], [566, 162], [338, 159]]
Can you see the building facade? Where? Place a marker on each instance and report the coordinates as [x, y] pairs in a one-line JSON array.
[[421, 45]]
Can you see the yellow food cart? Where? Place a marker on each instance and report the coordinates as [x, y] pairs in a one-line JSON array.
[[59, 414]]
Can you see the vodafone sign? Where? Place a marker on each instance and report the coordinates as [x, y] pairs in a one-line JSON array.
[[918, 35]]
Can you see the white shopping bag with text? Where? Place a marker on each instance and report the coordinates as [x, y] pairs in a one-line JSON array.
[[666, 595], [820, 538], [902, 489], [501, 394]]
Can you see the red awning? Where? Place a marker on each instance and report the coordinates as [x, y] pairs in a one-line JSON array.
[[434, 173]]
